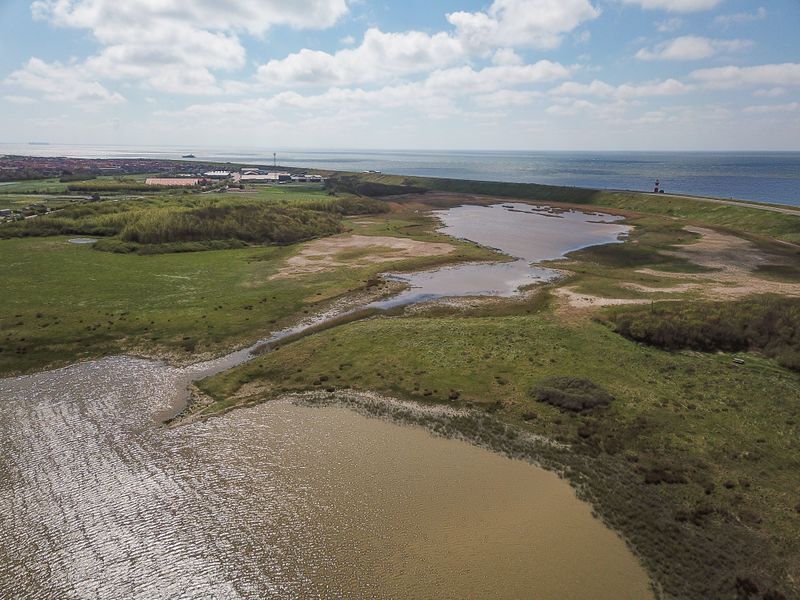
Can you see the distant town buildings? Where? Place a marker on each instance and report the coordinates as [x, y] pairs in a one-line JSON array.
[[246, 175], [258, 176]]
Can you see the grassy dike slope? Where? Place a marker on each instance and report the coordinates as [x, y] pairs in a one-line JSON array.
[[695, 461]]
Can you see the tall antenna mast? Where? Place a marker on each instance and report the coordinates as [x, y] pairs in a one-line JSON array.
[[274, 159]]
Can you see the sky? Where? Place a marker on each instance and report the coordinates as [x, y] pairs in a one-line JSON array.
[[410, 74]]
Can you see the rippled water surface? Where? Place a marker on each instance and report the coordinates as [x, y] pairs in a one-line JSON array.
[[273, 501], [97, 500]]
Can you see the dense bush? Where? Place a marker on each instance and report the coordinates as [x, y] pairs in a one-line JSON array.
[[770, 324], [251, 222], [347, 205], [166, 224], [355, 185], [571, 393]]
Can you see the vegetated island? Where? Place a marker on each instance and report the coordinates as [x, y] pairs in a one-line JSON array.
[[666, 369]]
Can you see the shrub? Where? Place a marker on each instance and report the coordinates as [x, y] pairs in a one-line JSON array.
[[252, 223], [571, 393], [770, 324], [358, 186]]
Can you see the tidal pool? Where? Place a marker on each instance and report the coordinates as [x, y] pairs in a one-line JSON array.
[[98, 500], [526, 233]]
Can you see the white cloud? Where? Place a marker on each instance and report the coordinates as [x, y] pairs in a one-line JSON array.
[[110, 17], [773, 108], [506, 57], [383, 56], [380, 56], [676, 5], [669, 25], [467, 79], [433, 96], [62, 83], [726, 21], [668, 87], [774, 92], [20, 99], [690, 47], [537, 23], [506, 98], [174, 45], [786, 74]]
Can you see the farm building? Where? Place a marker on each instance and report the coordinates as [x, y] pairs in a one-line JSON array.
[[268, 178], [173, 181], [217, 174]]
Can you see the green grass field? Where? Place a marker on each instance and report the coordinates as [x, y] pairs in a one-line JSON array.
[[65, 302], [35, 186]]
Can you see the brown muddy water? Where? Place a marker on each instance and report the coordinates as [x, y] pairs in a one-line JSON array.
[[98, 500]]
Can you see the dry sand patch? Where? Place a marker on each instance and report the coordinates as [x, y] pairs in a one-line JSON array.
[[733, 259], [357, 251], [578, 300]]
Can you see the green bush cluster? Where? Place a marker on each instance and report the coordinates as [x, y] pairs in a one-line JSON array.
[[347, 205], [192, 223], [252, 223], [769, 324], [356, 185], [571, 393]]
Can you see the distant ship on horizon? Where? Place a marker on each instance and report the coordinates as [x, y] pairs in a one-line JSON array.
[[188, 156]]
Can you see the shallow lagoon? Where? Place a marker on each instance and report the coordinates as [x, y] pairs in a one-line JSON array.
[[526, 233]]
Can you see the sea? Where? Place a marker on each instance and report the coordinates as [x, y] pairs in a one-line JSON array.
[[772, 177]]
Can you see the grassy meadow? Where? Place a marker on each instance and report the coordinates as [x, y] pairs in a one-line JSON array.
[[65, 302]]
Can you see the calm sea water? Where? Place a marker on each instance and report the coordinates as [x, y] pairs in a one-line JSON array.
[[760, 176]]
